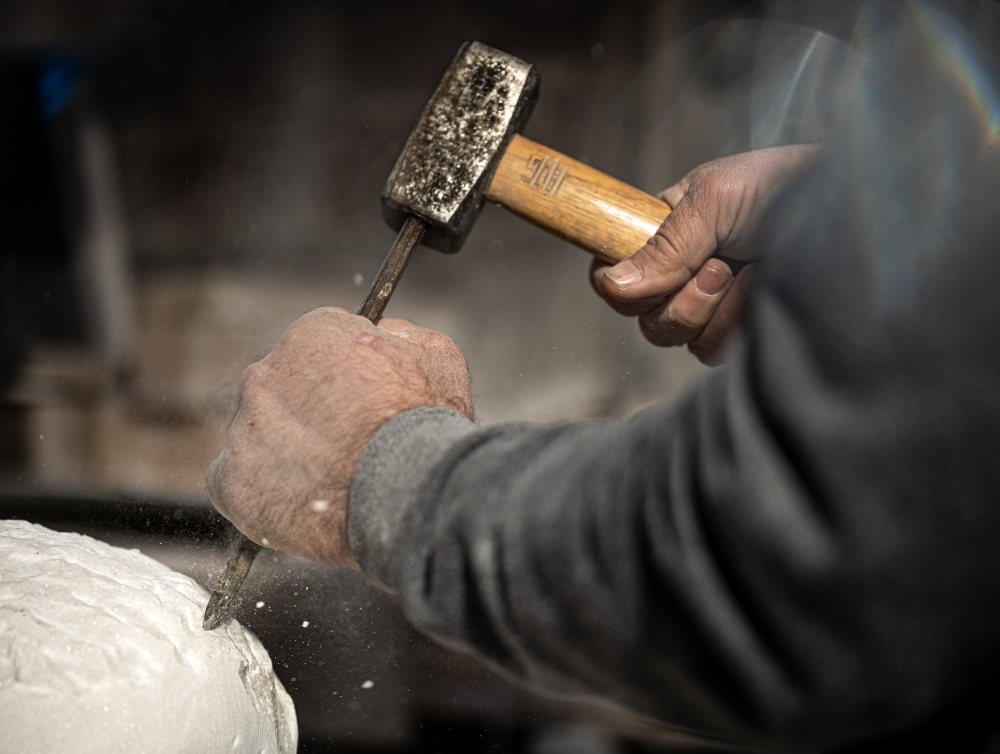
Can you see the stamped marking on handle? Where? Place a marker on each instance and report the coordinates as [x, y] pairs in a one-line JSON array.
[[592, 210], [545, 173]]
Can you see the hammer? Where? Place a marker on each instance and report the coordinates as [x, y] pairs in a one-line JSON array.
[[466, 149]]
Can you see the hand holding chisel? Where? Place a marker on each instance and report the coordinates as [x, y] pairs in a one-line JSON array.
[[245, 549]]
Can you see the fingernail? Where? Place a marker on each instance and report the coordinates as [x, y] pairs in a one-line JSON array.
[[710, 280], [624, 274]]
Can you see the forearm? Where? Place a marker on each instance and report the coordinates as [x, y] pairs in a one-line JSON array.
[[579, 558], [802, 551], [731, 564], [575, 557]]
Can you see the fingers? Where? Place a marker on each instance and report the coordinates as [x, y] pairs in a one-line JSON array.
[[620, 296], [684, 315], [702, 314], [668, 260], [703, 324], [729, 315], [448, 373], [602, 274], [675, 193], [717, 209], [628, 308]]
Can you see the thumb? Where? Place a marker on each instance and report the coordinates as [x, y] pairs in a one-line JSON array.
[[668, 260]]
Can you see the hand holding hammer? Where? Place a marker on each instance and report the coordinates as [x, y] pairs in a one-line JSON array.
[[466, 149]]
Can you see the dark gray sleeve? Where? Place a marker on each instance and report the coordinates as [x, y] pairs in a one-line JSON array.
[[801, 551], [689, 565]]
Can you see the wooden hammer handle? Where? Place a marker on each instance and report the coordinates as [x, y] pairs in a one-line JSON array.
[[575, 202]]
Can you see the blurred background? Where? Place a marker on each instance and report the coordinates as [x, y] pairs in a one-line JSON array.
[[180, 180]]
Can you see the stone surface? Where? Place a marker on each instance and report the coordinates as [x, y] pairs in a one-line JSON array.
[[102, 650]]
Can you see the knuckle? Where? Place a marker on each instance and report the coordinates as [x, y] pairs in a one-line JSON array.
[[712, 184], [673, 196], [721, 183], [315, 315], [330, 310], [728, 188], [438, 342], [253, 376], [395, 323], [713, 178], [295, 333], [447, 344], [663, 252], [308, 325], [215, 486]]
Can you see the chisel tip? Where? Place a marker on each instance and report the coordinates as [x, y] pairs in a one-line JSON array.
[[229, 582], [215, 612]]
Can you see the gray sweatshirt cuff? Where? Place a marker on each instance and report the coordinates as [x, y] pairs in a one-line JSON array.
[[389, 478]]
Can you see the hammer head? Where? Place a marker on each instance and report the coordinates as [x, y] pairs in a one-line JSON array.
[[444, 171]]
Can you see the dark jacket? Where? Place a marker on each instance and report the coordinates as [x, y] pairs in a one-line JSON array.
[[803, 552]]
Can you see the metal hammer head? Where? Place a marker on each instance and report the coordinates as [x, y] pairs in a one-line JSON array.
[[442, 175]]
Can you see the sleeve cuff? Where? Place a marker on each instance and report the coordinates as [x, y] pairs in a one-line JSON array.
[[390, 475]]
